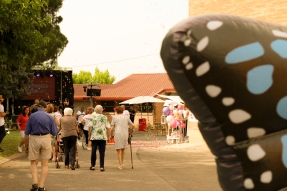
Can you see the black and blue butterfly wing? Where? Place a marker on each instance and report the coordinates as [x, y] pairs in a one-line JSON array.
[[232, 74]]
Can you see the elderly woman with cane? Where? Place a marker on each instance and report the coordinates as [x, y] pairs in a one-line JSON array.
[[120, 124]]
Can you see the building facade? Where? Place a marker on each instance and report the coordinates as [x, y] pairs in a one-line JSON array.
[[132, 86], [265, 10]]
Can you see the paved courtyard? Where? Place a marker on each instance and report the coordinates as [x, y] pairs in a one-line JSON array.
[[157, 166]]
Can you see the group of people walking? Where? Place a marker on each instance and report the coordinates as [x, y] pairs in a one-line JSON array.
[[98, 130], [45, 124], [40, 124]]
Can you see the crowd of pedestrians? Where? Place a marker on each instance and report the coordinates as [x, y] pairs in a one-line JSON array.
[[41, 124]]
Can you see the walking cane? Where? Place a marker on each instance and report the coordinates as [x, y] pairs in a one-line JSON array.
[[130, 142]]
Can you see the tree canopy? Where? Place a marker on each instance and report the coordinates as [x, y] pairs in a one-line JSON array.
[[99, 77], [29, 36]]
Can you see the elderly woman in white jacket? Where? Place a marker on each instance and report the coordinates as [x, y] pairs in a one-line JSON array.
[[69, 133]]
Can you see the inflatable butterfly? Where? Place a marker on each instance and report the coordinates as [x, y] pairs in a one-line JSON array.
[[232, 74]]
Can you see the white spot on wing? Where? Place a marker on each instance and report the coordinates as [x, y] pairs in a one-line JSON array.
[[266, 177], [187, 42], [248, 183], [255, 132], [212, 90], [202, 69], [255, 152], [189, 66], [213, 25], [230, 140], [202, 44], [227, 101], [185, 60], [279, 33], [238, 116]]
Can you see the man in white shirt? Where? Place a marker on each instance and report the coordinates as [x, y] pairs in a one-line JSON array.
[[125, 112], [86, 120], [79, 115], [2, 122]]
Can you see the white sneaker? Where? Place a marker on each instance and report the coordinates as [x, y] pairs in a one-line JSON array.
[[89, 148], [20, 149]]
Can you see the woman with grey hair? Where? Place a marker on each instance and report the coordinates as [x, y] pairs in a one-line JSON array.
[[99, 130], [120, 125], [69, 133]]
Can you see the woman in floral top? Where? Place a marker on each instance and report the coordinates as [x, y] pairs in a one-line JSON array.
[[99, 129]]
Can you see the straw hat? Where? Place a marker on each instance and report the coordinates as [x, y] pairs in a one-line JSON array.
[[1, 98]]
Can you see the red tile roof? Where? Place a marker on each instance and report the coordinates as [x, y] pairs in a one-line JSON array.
[[131, 86]]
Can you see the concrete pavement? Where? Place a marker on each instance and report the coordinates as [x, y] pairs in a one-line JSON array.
[[157, 166]]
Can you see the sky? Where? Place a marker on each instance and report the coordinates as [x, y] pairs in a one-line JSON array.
[[121, 36]]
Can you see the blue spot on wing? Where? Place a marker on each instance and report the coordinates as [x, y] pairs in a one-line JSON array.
[[284, 150], [280, 47], [259, 79], [244, 53], [282, 107]]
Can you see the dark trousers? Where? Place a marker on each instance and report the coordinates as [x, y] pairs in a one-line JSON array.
[[81, 126], [132, 119], [102, 148], [185, 129], [2, 133], [70, 150], [86, 135]]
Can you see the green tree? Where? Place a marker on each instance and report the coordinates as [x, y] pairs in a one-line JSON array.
[[29, 36], [45, 67], [82, 77], [103, 77], [75, 78], [99, 77]]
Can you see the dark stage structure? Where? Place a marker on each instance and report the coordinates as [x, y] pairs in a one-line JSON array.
[[54, 86]]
